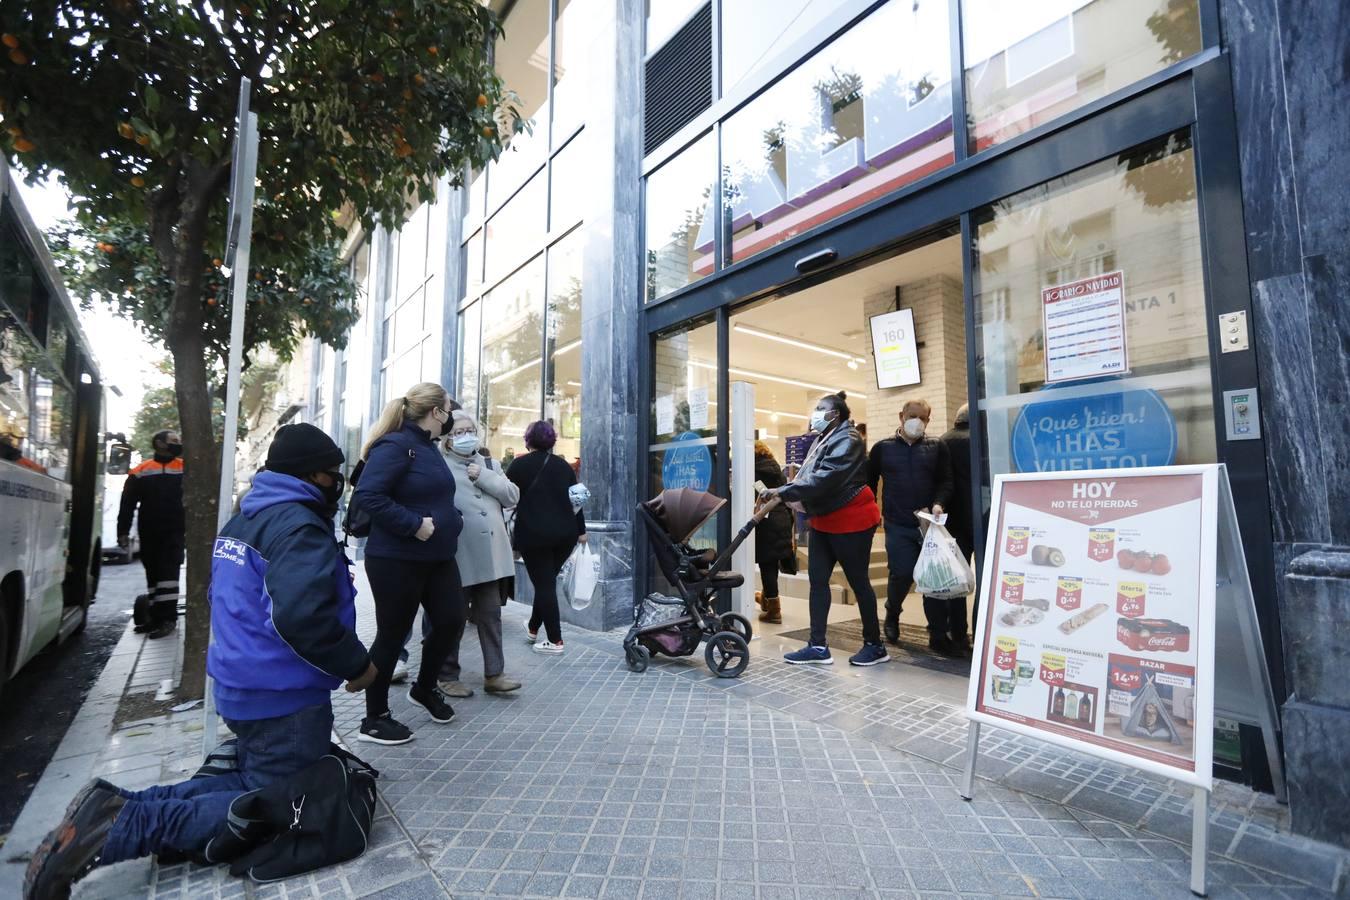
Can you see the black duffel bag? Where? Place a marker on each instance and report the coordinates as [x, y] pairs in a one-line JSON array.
[[319, 817]]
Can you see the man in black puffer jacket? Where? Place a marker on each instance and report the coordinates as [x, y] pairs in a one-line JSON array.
[[917, 476]]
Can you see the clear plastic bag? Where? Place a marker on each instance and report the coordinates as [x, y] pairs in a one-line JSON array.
[[585, 575], [942, 569]]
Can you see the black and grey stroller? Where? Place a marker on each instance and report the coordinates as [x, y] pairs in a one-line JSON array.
[[675, 626]]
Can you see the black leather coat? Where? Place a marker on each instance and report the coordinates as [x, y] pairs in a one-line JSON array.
[[833, 474]]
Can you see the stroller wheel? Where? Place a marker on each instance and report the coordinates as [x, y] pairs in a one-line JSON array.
[[738, 624], [638, 657], [727, 654]]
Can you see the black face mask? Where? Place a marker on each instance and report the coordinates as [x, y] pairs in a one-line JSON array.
[[331, 495], [447, 424], [175, 450]]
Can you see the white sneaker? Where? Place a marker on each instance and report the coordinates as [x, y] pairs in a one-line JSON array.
[[531, 637], [400, 672], [546, 646]]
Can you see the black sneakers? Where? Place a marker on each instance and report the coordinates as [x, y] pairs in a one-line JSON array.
[[433, 701], [72, 849], [384, 729]]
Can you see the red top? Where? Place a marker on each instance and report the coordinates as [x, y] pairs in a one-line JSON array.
[[858, 514]]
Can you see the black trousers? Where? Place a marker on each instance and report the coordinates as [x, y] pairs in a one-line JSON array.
[[162, 558], [768, 576], [853, 551], [543, 565], [399, 587]]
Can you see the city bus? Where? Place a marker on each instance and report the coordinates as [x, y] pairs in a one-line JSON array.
[[53, 449]]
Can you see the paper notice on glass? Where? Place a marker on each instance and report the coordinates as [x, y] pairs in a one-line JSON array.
[[665, 414], [698, 409], [1084, 326]]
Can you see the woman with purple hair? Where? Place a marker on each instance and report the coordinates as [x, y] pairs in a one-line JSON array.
[[547, 529]]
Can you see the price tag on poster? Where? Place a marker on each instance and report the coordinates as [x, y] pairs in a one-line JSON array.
[[1104, 580]]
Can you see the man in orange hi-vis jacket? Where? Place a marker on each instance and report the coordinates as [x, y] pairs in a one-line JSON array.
[[155, 488]]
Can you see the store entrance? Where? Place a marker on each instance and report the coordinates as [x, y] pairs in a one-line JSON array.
[[793, 348]]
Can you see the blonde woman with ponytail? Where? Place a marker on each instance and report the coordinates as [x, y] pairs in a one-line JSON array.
[[410, 554]]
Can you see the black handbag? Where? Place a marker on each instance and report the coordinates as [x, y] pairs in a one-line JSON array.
[[319, 817]]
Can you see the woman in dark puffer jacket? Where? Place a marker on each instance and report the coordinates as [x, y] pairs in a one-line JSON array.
[[773, 537]]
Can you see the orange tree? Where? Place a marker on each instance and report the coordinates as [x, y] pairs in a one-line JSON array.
[[361, 106]]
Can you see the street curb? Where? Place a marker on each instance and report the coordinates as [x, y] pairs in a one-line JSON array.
[[72, 764]]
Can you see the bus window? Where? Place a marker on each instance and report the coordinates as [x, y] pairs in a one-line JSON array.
[[16, 354], [119, 459], [50, 435]]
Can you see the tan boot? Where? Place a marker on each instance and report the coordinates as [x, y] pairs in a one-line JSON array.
[[773, 611], [759, 599], [500, 684]]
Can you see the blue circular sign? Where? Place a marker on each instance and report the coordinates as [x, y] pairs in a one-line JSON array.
[[688, 467], [1116, 430]]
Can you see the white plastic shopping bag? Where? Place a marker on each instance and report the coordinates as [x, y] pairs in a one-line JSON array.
[[585, 575], [567, 579], [942, 569]]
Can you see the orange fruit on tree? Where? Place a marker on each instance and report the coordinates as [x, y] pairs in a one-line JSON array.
[[407, 93], [482, 100], [10, 41], [18, 57], [210, 301], [488, 131], [377, 77], [15, 131], [23, 145], [217, 262], [143, 140], [125, 130], [419, 80], [433, 50], [137, 181]]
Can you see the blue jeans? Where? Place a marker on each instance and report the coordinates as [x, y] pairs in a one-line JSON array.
[[185, 816]]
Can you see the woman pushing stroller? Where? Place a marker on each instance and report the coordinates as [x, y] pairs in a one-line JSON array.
[[831, 488]]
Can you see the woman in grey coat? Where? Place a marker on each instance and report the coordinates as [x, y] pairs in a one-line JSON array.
[[484, 556]]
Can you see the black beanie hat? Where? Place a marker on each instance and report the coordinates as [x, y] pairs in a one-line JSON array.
[[301, 449]]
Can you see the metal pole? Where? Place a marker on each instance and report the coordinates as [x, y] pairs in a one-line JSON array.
[[238, 241], [1199, 841], [972, 753]]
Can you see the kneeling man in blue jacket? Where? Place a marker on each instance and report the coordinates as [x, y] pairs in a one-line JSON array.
[[283, 620]]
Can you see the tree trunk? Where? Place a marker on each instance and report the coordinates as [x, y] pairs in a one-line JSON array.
[[201, 457]]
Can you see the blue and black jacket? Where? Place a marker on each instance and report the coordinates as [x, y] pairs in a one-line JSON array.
[[283, 607], [406, 479]]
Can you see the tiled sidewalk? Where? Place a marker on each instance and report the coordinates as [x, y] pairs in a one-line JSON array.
[[596, 782]]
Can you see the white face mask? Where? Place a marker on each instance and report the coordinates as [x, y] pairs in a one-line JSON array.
[[913, 429], [819, 420], [464, 444]]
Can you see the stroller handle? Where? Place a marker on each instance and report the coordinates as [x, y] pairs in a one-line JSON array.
[[765, 508]]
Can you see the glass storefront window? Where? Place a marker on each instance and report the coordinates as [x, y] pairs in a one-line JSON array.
[[572, 184], [571, 56], [679, 237], [517, 230], [685, 390], [511, 383], [412, 255], [475, 199], [470, 334], [1027, 63], [473, 264], [521, 54], [664, 18], [867, 114], [1090, 319], [754, 30], [562, 380]]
